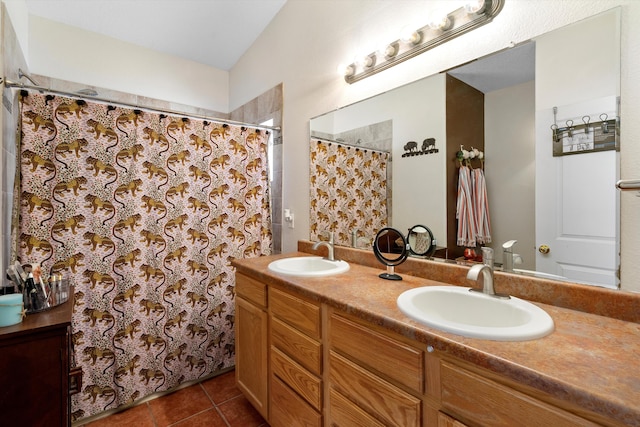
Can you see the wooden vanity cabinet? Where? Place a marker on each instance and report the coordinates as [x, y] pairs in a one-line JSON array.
[[377, 377], [296, 360], [251, 342], [301, 363], [35, 358]]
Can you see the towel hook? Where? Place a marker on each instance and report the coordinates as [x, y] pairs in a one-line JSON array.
[[570, 127], [586, 120], [605, 124]]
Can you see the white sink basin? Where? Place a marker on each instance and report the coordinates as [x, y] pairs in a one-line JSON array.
[[308, 266], [473, 314]]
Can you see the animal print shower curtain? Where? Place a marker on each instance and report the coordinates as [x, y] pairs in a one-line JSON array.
[[143, 212], [348, 191]]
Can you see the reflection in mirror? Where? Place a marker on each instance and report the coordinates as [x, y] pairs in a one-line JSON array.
[[515, 92], [391, 249], [348, 191], [420, 240]]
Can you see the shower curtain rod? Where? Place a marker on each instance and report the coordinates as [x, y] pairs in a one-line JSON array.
[[346, 144], [10, 84]]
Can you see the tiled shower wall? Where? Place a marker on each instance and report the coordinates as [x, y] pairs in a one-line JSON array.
[[268, 106], [377, 136]]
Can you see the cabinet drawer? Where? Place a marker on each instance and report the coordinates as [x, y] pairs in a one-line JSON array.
[[298, 346], [396, 360], [298, 313], [485, 402], [251, 290], [445, 420], [290, 410], [376, 396], [295, 376], [343, 412]]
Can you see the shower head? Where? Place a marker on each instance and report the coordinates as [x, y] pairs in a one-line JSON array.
[[22, 74]]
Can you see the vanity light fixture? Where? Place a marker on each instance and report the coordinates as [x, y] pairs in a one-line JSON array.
[[472, 15]]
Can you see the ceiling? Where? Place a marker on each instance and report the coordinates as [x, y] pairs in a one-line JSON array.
[[211, 32], [500, 70]]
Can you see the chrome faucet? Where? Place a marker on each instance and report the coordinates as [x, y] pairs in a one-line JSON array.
[[487, 280], [507, 256], [329, 246]]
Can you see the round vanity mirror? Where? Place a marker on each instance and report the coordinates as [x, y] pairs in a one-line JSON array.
[[391, 249], [420, 240]]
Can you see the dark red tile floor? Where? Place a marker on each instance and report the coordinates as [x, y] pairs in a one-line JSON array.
[[216, 402]]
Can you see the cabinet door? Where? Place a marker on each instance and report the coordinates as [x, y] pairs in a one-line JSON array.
[[251, 354], [33, 381]]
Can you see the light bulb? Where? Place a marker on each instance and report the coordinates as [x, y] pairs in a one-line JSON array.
[[370, 60], [440, 23], [411, 36], [388, 51], [346, 70], [365, 61], [474, 6]]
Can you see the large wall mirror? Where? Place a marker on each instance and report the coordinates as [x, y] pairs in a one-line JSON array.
[[561, 88]]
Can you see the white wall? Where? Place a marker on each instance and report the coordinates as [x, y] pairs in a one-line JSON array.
[[19, 15], [308, 39], [69, 53], [510, 143]]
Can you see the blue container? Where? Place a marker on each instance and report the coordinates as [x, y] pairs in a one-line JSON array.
[[10, 309]]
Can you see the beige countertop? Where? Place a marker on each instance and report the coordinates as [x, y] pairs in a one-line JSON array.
[[589, 360]]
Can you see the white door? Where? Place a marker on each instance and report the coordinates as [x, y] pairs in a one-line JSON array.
[[577, 204]]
